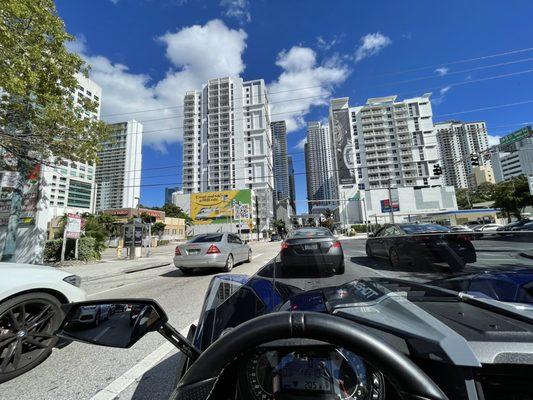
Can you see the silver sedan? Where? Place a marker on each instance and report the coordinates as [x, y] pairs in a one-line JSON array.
[[212, 250]]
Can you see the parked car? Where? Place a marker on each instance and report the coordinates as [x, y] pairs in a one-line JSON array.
[[212, 250], [30, 311], [513, 226], [275, 238], [488, 228], [421, 244], [312, 248], [93, 315]]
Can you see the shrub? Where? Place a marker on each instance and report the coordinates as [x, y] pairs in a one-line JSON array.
[[88, 249], [163, 242]]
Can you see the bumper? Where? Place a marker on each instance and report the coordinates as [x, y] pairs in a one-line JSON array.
[[203, 261], [324, 262]]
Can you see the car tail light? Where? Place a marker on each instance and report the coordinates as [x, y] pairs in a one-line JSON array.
[[213, 250], [284, 245], [177, 252], [335, 245]]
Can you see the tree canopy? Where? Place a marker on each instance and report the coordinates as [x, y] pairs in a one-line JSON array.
[[38, 115]]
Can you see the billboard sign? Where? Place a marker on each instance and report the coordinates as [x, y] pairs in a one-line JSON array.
[[30, 193], [344, 149], [386, 206], [219, 207], [73, 229]]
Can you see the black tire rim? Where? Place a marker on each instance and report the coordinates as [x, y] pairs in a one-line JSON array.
[[25, 334]]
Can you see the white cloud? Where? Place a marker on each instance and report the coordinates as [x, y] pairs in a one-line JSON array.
[[442, 71], [371, 44], [445, 89], [196, 53], [301, 144], [324, 44], [303, 84], [493, 140], [238, 9]]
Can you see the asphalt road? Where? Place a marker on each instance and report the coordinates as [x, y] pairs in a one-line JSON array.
[[146, 371]]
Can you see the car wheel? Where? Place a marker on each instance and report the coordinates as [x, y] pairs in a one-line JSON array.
[[341, 268], [229, 264], [186, 271], [249, 259], [394, 258], [368, 250], [27, 324]]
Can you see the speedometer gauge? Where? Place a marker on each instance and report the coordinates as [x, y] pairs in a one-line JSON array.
[[318, 373]]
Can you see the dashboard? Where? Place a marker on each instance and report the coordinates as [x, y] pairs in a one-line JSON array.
[[323, 372]]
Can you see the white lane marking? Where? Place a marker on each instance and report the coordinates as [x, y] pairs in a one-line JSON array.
[[257, 255], [120, 384], [104, 331], [123, 286]]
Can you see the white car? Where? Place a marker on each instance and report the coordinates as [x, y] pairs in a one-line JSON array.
[[490, 227], [30, 312]]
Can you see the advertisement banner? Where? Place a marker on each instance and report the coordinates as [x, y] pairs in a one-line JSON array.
[[128, 235], [343, 147], [386, 206], [30, 193], [73, 229], [218, 207]]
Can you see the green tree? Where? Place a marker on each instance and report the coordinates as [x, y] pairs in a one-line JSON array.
[[311, 222], [279, 224], [109, 224], [463, 198], [512, 196], [38, 116], [158, 228], [483, 192]]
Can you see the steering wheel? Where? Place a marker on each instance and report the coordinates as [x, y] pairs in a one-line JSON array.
[[409, 380]]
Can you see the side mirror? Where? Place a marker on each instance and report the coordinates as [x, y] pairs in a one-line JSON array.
[[114, 323]]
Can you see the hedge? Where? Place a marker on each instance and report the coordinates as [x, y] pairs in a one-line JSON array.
[[87, 249]]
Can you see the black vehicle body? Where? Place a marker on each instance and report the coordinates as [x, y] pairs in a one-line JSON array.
[[513, 226], [430, 244], [308, 250], [473, 349]]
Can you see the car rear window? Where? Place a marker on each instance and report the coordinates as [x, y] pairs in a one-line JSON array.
[[426, 228], [207, 238], [309, 233]]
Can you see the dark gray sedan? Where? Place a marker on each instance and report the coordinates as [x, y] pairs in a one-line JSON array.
[[212, 250], [312, 249]]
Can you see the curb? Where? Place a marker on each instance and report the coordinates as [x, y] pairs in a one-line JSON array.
[[132, 270], [530, 256]]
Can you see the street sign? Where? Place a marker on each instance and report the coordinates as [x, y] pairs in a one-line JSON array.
[[530, 181], [73, 228], [516, 136]]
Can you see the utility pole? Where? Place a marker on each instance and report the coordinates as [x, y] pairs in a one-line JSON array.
[[391, 209], [257, 219]]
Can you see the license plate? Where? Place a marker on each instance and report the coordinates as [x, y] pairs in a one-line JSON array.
[[310, 246], [194, 251]]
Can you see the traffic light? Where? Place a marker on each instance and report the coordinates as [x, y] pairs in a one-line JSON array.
[[474, 160], [437, 170]]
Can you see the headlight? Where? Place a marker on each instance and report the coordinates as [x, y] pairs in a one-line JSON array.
[[73, 280]]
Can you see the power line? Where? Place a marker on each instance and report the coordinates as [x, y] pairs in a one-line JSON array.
[[506, 53]]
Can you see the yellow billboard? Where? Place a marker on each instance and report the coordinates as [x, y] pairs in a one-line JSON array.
[[221, 207]]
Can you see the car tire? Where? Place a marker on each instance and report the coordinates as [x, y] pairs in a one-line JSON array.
[[229, 264], [31, 355], [341, 268], [394, 258], [249, 259], [368, 251], [186, 271]]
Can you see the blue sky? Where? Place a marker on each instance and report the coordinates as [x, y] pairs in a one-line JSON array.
[[146, 53]]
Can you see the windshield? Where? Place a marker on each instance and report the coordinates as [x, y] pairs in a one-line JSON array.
[[206, 238], [343, 271]]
